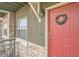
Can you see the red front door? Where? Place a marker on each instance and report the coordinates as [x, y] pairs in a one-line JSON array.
[[63, 39]]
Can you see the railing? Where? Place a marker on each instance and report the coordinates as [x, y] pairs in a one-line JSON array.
[[7, 48]]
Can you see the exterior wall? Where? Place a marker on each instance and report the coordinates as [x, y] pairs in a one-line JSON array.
[[1, 27], [35, 33], [35, 45], [11, 24], [5, 19], [0, 31]]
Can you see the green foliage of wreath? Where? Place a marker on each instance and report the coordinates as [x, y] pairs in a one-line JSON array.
[[60, 22]]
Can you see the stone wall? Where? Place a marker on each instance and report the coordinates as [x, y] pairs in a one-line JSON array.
[[12, 22], [35, 50], [31, 50]]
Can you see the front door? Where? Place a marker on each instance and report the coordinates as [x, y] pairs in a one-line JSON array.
[[63, 39]]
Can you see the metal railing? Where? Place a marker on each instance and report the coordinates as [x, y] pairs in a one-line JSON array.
[[7, 48]]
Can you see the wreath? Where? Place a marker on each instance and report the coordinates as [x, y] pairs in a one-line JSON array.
[[61, 21]]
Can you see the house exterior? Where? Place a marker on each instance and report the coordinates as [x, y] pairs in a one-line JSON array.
[[29, 29], [30, 40]]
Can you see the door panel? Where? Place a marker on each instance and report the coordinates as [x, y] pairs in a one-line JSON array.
[[63, 39]]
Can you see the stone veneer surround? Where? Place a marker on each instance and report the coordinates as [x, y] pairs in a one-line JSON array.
[[31, 50]]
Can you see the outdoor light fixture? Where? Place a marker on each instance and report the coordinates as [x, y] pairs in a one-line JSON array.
[[42, 12]]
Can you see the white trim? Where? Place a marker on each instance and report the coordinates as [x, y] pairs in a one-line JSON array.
[[46, 33], [21, 28], [58, 5], [18, 22], [38, 8], [4, 11], [8, 24], [38, 18], [22, 41], [5, 20], [46, 23], [1, 29]]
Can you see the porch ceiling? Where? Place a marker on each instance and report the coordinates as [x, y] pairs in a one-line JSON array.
[[10, 6], [2, 14]]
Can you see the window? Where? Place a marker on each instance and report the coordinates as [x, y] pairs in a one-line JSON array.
[[5, 29], [22, 28], [5, 26], [23, 24]]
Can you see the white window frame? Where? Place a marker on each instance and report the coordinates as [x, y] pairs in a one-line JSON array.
[[22, 41], [5, 21], [18, 23]]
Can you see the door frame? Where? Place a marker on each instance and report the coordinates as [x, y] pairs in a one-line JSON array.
[[46, 22]]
